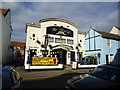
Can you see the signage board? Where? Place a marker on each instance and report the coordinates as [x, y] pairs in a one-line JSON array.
[[56, 30], [44, 61]]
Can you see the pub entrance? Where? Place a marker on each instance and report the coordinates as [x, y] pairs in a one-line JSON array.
[[61, 54]]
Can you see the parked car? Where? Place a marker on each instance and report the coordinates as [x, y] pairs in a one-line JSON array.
[[10, 78], [103, 76]]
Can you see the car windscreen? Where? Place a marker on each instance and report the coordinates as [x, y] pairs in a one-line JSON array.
[[110, 74]]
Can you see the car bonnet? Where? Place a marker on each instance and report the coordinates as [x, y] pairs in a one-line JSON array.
[[88, 81]]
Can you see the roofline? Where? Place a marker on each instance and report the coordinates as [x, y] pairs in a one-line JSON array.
[[32, 25], [61, 20], [7, 10], [117, 27], [107, 33], [84, 33], [17, 42]]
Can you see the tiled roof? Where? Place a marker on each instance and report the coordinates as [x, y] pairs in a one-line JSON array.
[[18, 44], [108, 35], [4, 11]]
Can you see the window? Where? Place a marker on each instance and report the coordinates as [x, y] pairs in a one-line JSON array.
[[58, 40], [111, 58], [51, 39], [69, 41], [80, 40], [33, 35], [109, 42]]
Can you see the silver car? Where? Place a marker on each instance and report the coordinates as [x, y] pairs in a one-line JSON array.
[[10, 78]]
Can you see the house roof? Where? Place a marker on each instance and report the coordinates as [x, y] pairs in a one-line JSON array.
[[117, 27], [108, 35], [18, 44], [61, 20], [81, 32], [4, 11]]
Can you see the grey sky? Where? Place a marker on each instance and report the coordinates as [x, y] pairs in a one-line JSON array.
[[100, 15]]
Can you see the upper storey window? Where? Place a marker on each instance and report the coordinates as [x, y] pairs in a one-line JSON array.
[[57, 30], [59, 40], [51, 39]]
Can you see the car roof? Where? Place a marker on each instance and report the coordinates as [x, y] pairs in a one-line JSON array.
[[6, 71], [7, 68]]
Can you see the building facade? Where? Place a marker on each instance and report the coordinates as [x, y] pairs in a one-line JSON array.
[[104, 46], [116, 30], [6, 29], [55, 36]]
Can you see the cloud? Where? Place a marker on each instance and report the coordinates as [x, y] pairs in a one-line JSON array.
[[60, 0], [84, 14]]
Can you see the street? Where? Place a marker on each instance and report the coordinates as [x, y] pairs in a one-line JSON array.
[[53, 78], [54, 82]]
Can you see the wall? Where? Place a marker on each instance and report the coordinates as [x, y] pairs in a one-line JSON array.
[[109, 50], [6, 35], [30, 40], [93, 40], [44, 25], [100, 45], [0, 38], [81, 41], [93, 44]]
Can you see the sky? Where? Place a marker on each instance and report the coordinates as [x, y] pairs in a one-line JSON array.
[[99, 15]]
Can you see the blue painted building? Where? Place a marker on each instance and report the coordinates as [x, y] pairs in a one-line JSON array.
[[104, 46]]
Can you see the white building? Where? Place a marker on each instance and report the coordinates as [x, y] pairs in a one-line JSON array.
[[56, 36], [5, 29]]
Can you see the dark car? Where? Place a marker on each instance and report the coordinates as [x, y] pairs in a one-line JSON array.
[[104, 76], [10, 78]]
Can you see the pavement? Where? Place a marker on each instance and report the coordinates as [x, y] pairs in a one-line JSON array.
[[43, 74]]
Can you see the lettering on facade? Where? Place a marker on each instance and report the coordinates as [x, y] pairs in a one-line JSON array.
[[56, 30]]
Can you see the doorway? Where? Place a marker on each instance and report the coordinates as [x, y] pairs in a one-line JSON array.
[[72, 56], [107, 59], [61, 56]]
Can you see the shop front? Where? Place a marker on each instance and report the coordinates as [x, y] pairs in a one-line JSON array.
[[56, 39]]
